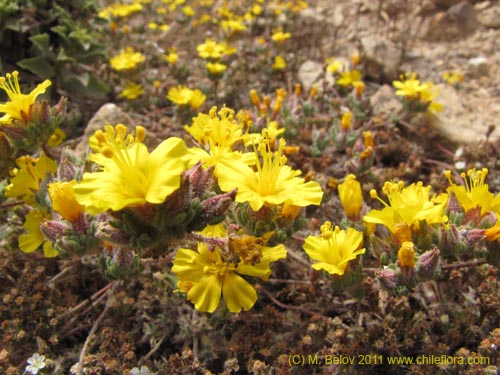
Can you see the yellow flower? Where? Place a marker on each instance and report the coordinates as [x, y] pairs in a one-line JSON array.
[[453, 78], [218, 133], [345, 122], [129, 174], [210, 49], [172, 56], [132, 91], [216, 68], [407, 205], [351, 197], [406, 255], [188, 11], [334, 65], [19, 105], [411, 89], [57, 138], [334, 248], [427, 97], [120, 10], [216, 129], [182, 95], [64, 201], [28, 176], [272, 183], [475, 193], [493, 233], [197, 99], [408, 86], [279, 63], [349, 78], [279, 36], [204, 275], [128, 59], [233, 25], [31, 241]]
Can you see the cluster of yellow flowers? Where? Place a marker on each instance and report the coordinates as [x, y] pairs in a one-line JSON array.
[[417, 96]]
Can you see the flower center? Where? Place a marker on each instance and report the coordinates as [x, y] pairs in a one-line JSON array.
[[269, 169]]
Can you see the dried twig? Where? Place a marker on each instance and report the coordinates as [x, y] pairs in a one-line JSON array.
[[456, 266], [92, 332], [95, 298], [288, 307]]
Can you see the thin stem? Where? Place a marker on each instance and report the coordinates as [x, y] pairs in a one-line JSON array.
[[455, 266], [94, 299], [89, 338], [12, 204], [285, 306]]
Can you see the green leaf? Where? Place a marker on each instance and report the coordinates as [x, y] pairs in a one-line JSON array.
[[85, 85], [42, 42], [37, 65]]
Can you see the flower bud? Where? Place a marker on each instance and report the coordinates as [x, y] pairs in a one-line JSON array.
[[388, 278], [406, 255], [473, 236], [449, 237], [218, 205], [351, 197], [379, 247], [427, 263], [52, 230]]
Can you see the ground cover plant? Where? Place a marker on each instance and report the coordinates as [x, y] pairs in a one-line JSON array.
[[242, 219]]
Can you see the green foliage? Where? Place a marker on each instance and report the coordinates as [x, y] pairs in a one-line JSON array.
[[53, 39]]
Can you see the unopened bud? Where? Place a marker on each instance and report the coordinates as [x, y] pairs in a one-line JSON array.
[[427, 263], [52, 230], [218, 205], [199, 179], [5, 147], [388, 278], [473, 236], [379, 247], [449, 237]]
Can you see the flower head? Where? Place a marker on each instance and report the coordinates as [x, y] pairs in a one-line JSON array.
[[36, 363], [132, 91], [475, 193], [279, 63], [28, 177], [19, 105], [351, 197], [205, 275], [349, 78], [129, 174], [407, 206], [218, 133], [56, 138], [334, 248], [419, 95], [279, 36], [216, 68], [210, 49], [172, 56], [33, 239], [64, 201], [182, 95], [128, 59], [271, 183]]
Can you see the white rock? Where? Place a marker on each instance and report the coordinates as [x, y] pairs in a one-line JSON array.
[[310, 73], [385, 102], [382, 58], [478, 66]]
